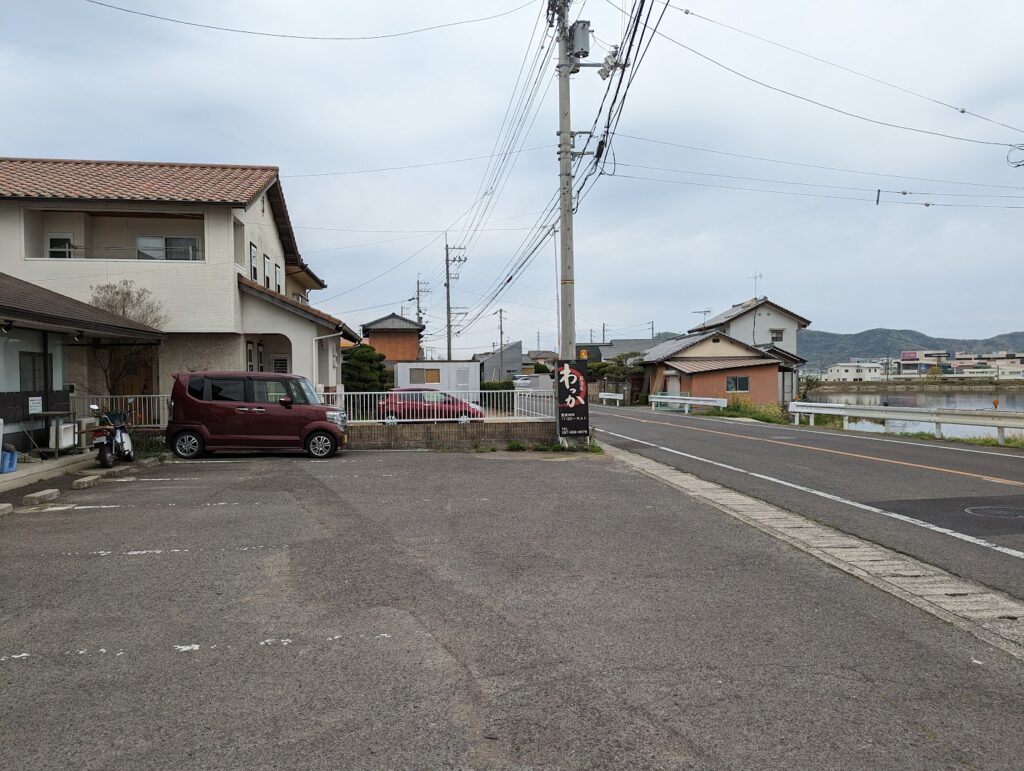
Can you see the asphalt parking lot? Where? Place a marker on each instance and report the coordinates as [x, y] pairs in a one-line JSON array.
[[462, 609]]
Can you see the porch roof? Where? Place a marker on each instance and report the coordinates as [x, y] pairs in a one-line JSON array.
[[713, 364], [33, 306]]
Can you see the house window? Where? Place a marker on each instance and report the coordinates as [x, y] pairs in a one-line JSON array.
[[254, 269], [777, 335], [737, 384], [168, 248], [266, 271], [30, 370], [277, 279], [250, 351], [422, 376], [259, 357], [58, 245]]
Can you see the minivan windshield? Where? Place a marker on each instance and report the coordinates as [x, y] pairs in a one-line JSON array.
[[307, 390]]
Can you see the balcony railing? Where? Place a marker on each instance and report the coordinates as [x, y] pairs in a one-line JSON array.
[[174, 253]]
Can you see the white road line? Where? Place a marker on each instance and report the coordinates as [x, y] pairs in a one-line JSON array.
[[829, 496], [835, 435]]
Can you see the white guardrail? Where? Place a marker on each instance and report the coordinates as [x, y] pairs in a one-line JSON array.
[[669, 401], [604, 396], [997, 419]]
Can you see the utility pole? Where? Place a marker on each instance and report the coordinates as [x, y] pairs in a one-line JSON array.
[[422, 288], [501, 343], [591, 334], [603, 326], [652, 330], [448, 260], [538, 339]]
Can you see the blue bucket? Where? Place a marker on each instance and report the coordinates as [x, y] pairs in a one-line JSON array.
[[8, 462]]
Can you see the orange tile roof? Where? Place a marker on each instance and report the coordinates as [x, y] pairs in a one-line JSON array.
[[257, 287], [78, 180]]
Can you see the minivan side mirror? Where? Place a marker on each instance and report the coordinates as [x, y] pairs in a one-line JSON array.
[[285, 401]]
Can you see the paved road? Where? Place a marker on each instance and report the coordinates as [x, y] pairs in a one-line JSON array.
[[855, 483], [482, 610]]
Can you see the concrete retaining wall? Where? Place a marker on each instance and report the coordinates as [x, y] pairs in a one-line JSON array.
[[448, 436]]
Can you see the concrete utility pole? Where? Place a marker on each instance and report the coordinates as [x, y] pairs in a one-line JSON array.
[[501, 343], [422, 288], [652, 330], [448, 261], [567, 296], [603, 327]]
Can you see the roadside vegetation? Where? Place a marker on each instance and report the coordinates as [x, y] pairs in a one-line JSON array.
[[742, 408], [1015, 442]]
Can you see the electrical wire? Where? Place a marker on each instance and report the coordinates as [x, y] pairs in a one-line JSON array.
[[350, 38], [823, 105], [911, 92], [409, 166], [817, 166]]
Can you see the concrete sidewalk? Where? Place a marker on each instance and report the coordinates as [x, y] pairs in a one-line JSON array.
[[480, 609], [30, 473]]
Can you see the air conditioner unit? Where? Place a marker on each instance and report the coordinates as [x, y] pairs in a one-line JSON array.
[[85, 427], [66, 437]]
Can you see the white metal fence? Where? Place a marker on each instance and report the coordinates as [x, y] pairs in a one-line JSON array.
[[145, 410], [442, 406], [151, 410]]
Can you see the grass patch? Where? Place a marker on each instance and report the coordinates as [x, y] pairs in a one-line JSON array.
[[742, 408], [591, 447], [1015, 442], [514, 445]]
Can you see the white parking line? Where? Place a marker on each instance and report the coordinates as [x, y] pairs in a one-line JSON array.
[[140, 552], [829, 496]]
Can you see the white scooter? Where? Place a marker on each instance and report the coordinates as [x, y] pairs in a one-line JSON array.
[[111, 438]]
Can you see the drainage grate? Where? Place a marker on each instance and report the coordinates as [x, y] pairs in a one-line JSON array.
[[1004, 512]]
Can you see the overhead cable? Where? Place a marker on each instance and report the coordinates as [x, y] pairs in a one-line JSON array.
[[411, 165], [348, 38], [911, 92], [823, 105]]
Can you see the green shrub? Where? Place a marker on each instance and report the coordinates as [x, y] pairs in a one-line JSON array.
[[514, 445], [744, 408], [497, 385], [540, 369]]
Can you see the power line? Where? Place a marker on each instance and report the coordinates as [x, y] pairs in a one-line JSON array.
[[875, 200], [814, 184], [911, 92], [350, 38], [815, 102], [817, 166], [411, 165]]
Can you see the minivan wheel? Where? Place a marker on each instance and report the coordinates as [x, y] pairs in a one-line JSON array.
[[463, 417], [321, 444], [391, 419], [188, 445]]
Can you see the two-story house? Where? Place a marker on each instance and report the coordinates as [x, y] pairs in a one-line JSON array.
[[765, 325], [213, 244]]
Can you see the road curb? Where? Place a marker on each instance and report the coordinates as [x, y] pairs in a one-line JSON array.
[[6, 508], [41, 496], [84, 483], [991, 616]]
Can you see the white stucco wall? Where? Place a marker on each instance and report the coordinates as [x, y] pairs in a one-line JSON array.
[[261, 317], [196, 296], [258, 228], [747, 331]]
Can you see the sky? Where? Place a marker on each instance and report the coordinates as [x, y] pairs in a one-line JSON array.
[[86, 81]]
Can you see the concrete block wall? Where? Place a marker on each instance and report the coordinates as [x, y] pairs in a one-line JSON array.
[[448, 436]]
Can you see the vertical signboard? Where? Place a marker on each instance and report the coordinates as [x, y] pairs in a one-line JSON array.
[[573, 410]]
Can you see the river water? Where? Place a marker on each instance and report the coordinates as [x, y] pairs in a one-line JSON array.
[[975, 400]]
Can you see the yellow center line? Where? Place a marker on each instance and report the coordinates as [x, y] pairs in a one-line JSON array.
[[940, 469]]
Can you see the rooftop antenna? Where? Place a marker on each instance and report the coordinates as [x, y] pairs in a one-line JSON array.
[[704, 315], [756, 277]]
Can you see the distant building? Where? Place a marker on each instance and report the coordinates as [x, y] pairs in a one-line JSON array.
[[502, 364], [397, 337], [757, 322], [712, 364], [854, 372], [593, 352], [442, 375]]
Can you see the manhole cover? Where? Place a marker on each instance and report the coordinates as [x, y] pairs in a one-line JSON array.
[[1005, 512]]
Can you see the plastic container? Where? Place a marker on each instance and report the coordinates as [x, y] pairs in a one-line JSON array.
[[8, 462]]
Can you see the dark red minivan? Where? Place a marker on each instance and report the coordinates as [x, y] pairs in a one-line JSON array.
[[251, 411]]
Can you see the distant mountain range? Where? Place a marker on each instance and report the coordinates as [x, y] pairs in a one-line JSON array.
[[824, 348]]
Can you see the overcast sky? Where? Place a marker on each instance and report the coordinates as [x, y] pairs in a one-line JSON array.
[[83, 81]]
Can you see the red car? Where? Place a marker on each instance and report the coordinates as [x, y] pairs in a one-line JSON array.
[[251, 411], [426, 404]]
